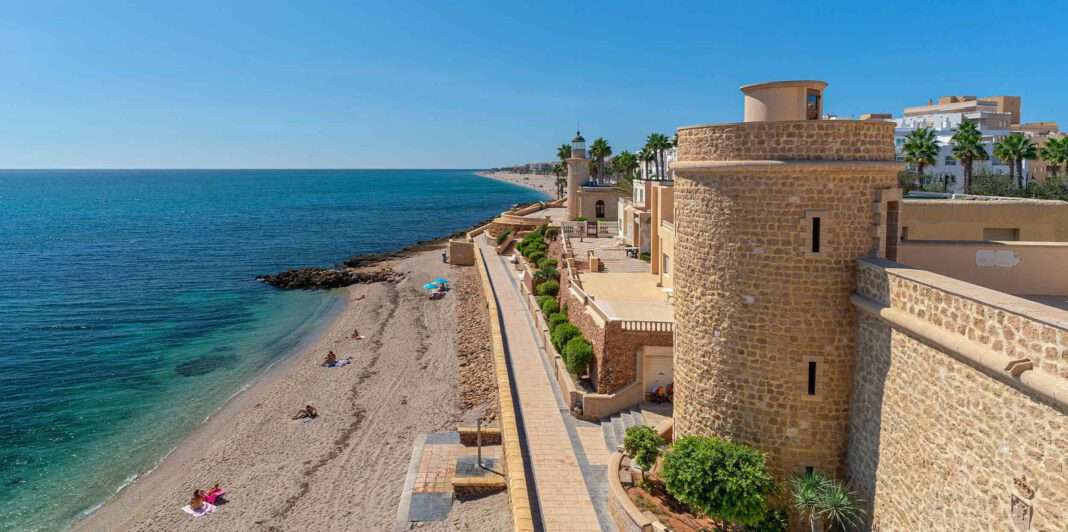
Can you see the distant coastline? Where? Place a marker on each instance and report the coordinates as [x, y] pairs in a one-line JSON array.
[[545, 184]]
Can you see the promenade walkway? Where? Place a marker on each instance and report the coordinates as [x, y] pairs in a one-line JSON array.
[[566, 458]]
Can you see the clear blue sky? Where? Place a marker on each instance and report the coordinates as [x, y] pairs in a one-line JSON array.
[[474, 84]]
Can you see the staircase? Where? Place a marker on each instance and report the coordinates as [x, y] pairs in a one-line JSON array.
[[614, 428]]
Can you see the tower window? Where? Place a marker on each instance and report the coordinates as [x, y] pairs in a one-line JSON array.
[[811, 377], [815, 234]]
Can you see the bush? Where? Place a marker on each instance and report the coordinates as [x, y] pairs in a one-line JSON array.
[[562, 334], [720, 479], [547, 274], [503, 236], [577, 355], [542, 299], [555, 320], [552, 232], [549, 288], [643, 444], [776, 520], [547, 262], [535, 255], [644, 256], [581, 219], [550, 307]]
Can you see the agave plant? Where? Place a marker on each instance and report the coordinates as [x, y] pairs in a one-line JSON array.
[[818, 497]]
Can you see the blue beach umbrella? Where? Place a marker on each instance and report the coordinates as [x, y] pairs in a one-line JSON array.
[[441, 280], [430, 286]]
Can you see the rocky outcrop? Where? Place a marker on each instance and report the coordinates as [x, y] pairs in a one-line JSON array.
[[311, 278]]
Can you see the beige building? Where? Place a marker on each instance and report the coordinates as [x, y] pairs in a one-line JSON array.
[[938, 391]]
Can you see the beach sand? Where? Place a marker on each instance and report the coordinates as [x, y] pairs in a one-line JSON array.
[[344, 470], [541, 183]]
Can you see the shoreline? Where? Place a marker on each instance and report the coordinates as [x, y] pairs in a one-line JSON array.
[[546, 184], [284, 474]]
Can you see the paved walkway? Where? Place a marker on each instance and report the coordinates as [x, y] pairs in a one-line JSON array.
[[569, 485]]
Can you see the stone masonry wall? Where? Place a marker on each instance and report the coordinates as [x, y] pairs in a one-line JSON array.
[[936, 444], [753, 305], [823, 140]]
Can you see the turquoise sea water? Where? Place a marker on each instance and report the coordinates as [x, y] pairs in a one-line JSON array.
[[129, 310]]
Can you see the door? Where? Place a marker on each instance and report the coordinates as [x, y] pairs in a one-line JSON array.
[[657, 370]]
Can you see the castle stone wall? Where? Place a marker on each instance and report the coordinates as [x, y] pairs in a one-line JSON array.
[[753, 305], [936, 443], [820, 140]]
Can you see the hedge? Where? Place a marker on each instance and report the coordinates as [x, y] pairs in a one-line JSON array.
[[550, 307], [549, 288], [547, 262], [562, 334], [542, 299], [555, 320], [577, 355], [547, 274], [535, 255], [723, 480]]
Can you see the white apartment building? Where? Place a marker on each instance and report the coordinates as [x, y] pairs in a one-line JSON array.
[[648, 170], [994, 121]]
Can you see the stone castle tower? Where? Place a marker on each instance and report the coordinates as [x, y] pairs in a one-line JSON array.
[[772, 214], [578, 172]]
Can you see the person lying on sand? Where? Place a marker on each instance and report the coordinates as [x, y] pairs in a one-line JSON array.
[[356, 334], [197, 502], [213, 494], [308, 412], [330, 359]]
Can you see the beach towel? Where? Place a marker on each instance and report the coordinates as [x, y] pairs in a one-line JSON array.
[[207, 508], [214, 495], [338, 363]]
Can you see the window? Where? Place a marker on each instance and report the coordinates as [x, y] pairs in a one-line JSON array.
[[815, 234], [598, 209], [812, 377], [950, 161], [812, 104]]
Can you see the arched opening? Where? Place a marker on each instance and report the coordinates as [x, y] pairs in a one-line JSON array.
[[598, 209]]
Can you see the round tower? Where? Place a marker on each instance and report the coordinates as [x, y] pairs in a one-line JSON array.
[[578, 172], [771, 217]]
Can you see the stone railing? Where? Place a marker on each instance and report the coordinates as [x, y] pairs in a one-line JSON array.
[[648, 326]]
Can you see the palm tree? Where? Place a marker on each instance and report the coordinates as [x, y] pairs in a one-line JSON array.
[[560, 171], [624, 166], [646, 156], [1016, 148], [1055, 153], [599, 150], [816, 497], [968, 148], [921, 148], [657, 143], [563, 152]]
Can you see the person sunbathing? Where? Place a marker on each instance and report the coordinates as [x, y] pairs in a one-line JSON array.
[[308, 412], [214, 493], [330, 359], [356, 334], [197, 502]]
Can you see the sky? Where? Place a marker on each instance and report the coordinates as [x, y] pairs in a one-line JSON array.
[[462, 84]]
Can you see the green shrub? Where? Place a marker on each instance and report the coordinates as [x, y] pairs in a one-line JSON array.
[[644, 256], [547, 262], [549, 288], [577, 355], [643, 444], [718, 478], [550, 307], [552, 232], [555, 320], [547, 274], [542, 299], [581, 219], [562, 334], [535, 256], [503, 236], [776, 520]]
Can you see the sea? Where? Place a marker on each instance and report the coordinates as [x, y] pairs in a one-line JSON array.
[[130, 312]]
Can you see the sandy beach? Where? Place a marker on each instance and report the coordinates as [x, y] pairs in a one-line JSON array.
[[344, 470], [539, 182]]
